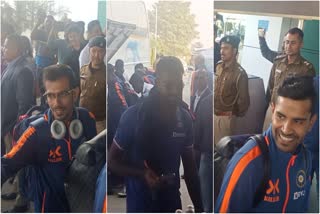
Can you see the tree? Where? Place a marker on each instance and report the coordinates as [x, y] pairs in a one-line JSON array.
[[175, 27], [24, 14]]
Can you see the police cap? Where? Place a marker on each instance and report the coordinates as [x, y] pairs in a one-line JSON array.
[[98, 41], [232, 40]]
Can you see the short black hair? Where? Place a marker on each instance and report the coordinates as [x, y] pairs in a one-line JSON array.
[[298, 88], [119, 64], [56, 72], [92, 24], [138, 66], [26, 46], [73, 27], [296, 30]]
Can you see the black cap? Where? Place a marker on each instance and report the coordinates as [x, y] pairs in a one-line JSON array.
[[232, 40], [98, 41]]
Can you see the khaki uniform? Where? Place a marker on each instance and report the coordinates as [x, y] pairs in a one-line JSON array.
[[93, 93], [280, 70], [231, 97]]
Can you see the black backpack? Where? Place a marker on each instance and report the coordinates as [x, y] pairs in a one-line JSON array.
[[223, 153]]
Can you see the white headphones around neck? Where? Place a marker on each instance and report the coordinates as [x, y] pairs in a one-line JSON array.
[[58, 128]]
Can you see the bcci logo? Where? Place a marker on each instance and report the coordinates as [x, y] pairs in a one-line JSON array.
[[301, 179]]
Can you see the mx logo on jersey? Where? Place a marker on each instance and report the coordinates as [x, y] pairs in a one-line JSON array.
[[272, 193], [55, 155]]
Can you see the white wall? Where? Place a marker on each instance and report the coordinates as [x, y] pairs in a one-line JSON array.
[[251, 58]]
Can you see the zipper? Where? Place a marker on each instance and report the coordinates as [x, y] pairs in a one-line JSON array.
[[69, 148], [290, 164]]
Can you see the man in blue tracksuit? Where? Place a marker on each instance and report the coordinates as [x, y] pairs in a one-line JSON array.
[[290, 163], [312, 140], [45, 148], [152, 138]]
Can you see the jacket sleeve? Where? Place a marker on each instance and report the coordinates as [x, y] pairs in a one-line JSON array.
[[120, 95], [22, 154], [199, 127], [24, 91], [265, 50], [271, 83], [240, 181], [243, 101]]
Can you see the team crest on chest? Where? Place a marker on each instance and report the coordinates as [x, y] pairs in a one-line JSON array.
[[301, 179]]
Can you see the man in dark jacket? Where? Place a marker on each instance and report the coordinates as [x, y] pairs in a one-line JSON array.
[[201, 79], [204, 144], [16, 86]]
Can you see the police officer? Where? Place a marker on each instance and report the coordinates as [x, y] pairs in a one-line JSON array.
[[93, 82], [292, 63], [231, 96]]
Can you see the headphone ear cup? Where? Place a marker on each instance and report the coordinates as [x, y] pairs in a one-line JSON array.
[[58, 129], [75, 129]]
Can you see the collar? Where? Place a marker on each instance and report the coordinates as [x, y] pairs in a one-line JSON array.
[[231, 66], [101, 68], [202, 92], [297, 61], [13, 61]]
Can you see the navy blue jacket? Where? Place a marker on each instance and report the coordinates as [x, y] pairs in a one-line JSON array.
[[288, 187], [48, 160]]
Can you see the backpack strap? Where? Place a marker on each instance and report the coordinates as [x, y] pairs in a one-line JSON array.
[[260, 192], [44, 136]]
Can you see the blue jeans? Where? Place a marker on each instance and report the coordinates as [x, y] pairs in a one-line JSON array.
[[206, 181]]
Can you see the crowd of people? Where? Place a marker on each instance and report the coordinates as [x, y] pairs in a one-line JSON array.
[[150, 129]]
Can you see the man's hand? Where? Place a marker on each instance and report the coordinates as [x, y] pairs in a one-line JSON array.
[[261, 32], [151, 178]]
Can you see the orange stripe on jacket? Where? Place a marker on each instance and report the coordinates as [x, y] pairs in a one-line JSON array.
[[123, 100], [238, 169], [22, 140], [92, 115], [104, 209], [267, 140]]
